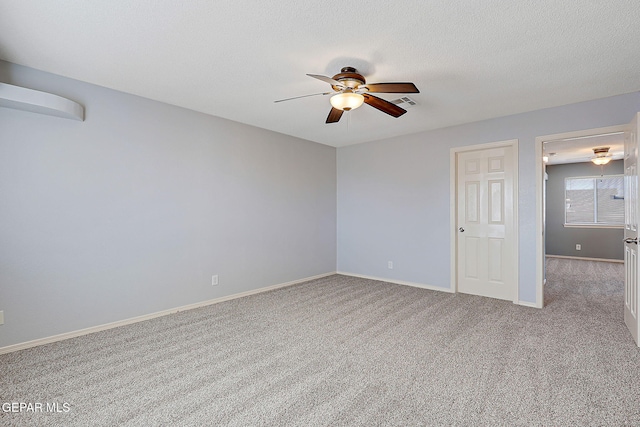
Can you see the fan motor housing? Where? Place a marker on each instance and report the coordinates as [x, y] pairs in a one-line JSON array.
[[349, 77]]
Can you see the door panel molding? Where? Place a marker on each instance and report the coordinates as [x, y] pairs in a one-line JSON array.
[[494, 165]]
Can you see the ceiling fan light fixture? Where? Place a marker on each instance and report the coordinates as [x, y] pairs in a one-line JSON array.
[[602, 156], [601, 160], [348, 87], [347, 101]]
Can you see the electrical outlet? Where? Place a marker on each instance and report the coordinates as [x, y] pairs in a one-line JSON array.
[[214, 280], [578, 247], [390, 265], [2, 317]]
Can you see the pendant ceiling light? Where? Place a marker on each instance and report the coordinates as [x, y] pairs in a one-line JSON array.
[[602, 156]]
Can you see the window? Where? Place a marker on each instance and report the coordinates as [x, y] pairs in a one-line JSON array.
[[594, 201]]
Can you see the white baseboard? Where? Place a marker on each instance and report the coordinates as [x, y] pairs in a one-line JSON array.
[[78, 333], [398, 282], [586, 259], [420, 285]]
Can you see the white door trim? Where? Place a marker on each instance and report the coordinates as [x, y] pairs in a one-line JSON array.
[[540, 253], [453, 209]]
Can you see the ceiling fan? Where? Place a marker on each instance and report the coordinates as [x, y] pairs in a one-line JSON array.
[[351, 90]]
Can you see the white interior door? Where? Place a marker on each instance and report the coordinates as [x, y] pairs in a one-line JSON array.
[[631, 259], [486, 244]]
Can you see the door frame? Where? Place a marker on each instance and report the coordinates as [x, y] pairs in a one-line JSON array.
[[453, 208], [540, 202]]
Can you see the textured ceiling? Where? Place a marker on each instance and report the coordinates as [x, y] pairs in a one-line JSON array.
[[471, 60], [578, 150]]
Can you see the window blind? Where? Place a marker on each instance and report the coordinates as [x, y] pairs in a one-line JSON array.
[[594, 201]]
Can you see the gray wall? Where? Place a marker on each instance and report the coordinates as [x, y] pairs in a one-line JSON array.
[[560, 240], [133, 210], [394, 201]]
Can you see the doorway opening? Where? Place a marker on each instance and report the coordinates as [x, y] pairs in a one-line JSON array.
[[577, 200]]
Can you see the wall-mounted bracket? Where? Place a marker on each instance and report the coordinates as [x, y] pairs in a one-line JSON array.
[[35, 101]]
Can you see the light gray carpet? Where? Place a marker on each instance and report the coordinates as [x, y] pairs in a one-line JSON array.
[[343, 351]]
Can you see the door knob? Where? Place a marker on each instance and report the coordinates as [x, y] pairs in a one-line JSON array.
[[461, 229], [631, 240]]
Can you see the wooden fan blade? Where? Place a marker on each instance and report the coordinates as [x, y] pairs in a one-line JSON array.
[[391, 88], [328, 80], [383, 105], [304, 96], [334, 115]]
